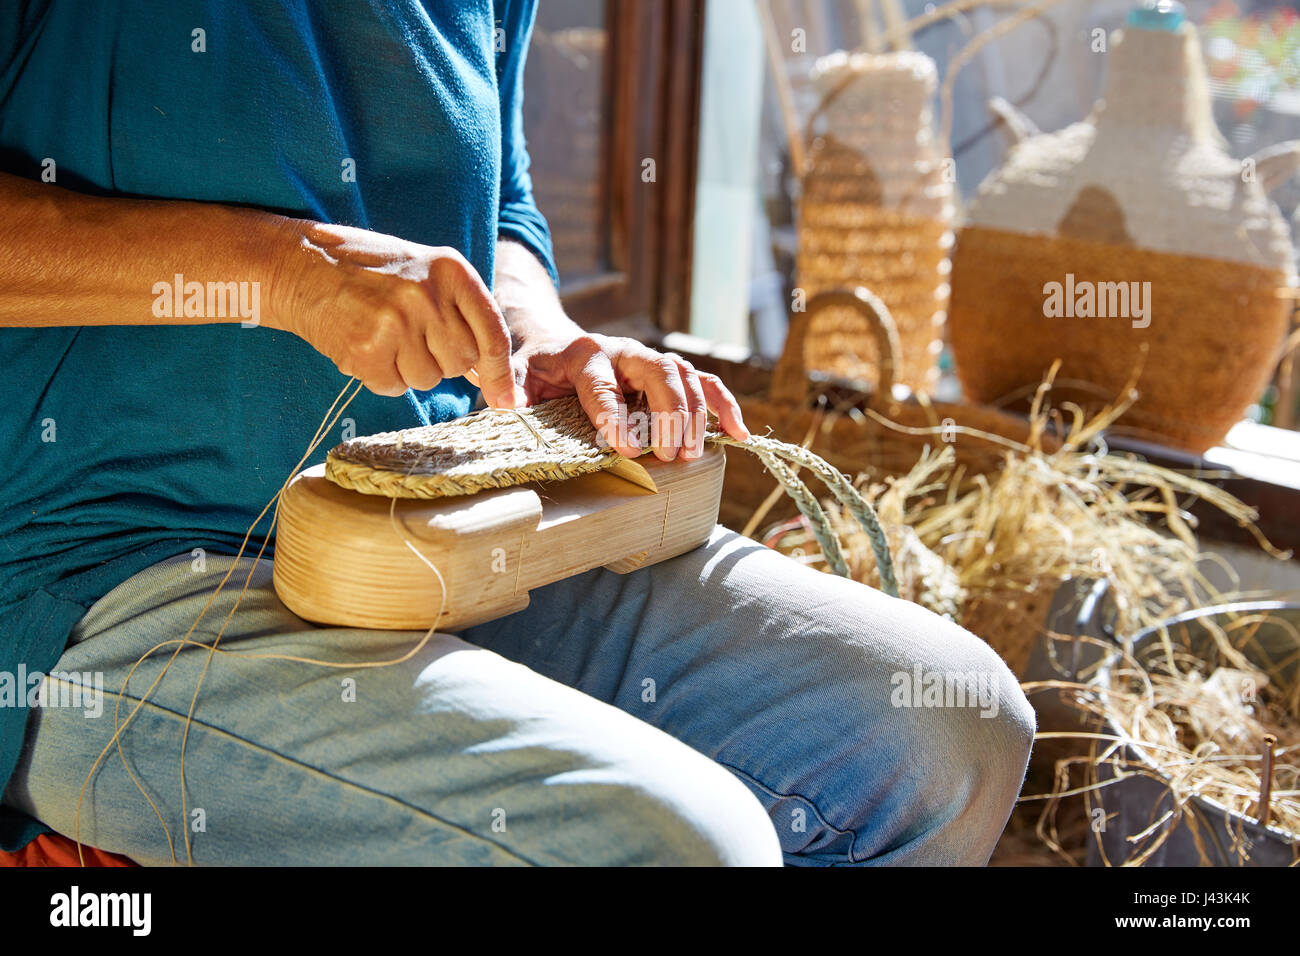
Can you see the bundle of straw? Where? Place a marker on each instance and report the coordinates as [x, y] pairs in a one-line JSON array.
[[1005, 541], [1217, 723], [1207, 707]]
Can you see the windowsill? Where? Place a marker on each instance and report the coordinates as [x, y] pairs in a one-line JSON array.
[[1261, 452]]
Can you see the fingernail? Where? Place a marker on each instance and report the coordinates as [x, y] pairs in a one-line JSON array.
[[505, 399]]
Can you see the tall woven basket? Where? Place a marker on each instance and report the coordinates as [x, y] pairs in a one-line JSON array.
[[859, 433], [1131, 241], [876, 210]]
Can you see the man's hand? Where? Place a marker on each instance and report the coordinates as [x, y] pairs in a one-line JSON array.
[[602, 370], [555, 357], [394, 314]]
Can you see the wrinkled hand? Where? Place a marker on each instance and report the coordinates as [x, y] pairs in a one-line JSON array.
[[602, 370], [394, 314]]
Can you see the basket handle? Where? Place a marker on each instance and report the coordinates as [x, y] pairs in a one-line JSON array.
[[790, 376]]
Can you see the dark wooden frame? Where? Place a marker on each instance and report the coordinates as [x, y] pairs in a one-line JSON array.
[[653, 92]]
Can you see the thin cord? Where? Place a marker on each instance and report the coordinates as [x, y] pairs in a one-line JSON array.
[[118, 728], [117, 709]]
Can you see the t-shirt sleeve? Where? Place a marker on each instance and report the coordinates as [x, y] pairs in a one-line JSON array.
[[519, 218]]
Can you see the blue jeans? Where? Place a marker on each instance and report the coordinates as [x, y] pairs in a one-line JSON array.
[[728, 706]]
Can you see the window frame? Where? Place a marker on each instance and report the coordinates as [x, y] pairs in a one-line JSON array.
[[651, 108]]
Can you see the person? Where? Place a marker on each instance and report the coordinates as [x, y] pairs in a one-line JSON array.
[[352, 181]]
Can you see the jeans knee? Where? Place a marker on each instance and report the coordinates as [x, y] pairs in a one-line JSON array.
[[1004, 722], [975, 710], [978, 733], [945, 735]]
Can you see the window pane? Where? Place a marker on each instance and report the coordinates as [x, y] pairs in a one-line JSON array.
[[564, 120]]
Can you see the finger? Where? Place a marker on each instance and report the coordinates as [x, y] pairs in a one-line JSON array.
[[387, 383], [696, 410], [657, 376], [488, 327], [521, 395], [603, 401], [725, 406], [418, 368], [669, 407], [452, 343], [370, 353]]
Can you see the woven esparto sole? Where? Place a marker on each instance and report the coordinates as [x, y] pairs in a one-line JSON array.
[[490, 449]]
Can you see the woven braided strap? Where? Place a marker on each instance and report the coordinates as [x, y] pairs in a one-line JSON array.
[[782, 459], [489, 449]]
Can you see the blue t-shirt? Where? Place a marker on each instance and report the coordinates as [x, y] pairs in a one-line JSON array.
[[126, 445]]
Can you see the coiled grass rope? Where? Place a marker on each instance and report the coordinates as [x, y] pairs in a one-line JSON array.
[[775, 455]]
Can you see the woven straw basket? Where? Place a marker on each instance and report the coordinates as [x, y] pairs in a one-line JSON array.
[[853, 437], [1141, 192], [876, 210]]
